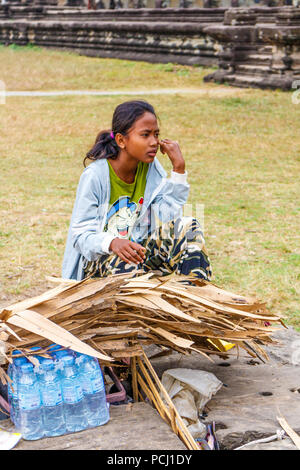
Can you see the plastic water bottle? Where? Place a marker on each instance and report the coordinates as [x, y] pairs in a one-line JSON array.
[[56, 351], [93, 389], [12, 391], [50, 387], [30, 404], [74, 407]]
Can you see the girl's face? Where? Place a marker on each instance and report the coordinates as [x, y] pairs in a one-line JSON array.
[[142, 140]]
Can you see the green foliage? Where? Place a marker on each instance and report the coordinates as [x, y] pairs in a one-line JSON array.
[[22, 49]]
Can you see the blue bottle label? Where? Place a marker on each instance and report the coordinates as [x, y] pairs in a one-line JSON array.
[[29, 401], [52, 397], [92, 385], [9, 391], [72, 393]]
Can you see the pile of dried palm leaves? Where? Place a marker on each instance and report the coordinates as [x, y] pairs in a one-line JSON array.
[[114, 317]]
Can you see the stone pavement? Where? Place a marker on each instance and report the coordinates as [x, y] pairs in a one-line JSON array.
[[244, 409], [134, 426], [254, 393]]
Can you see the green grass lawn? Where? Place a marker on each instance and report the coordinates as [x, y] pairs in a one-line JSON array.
[[242, 153], [35, 68]]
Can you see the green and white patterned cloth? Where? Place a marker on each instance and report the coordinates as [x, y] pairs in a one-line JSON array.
[[175, 246]]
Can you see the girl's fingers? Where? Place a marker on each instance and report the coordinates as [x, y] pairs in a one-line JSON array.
[[134, 254], [139, 248], [128, 258], [169, 142], [142, 254], [162, 149], [131, 257], [123, 258]]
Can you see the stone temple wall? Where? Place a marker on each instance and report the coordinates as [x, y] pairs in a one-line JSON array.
[[155, 3], [168, 35], [257, 46], [260, 47]]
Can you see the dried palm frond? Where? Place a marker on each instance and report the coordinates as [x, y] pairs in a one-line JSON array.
[[114, 317]]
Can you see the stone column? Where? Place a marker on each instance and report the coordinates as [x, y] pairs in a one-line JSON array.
[[9, 2], [268, 3], [75, 3], [211, 3], [140, 4], [12, 2], [45, 2], [185, 3]]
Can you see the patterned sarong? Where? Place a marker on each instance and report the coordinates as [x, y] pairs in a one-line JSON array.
[[176, 246]]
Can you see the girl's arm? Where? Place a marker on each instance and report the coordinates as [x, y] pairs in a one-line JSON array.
[[87, 219], [168, 203]]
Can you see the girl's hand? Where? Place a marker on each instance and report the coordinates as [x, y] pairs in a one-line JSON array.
[[128, 251], [172, 149]]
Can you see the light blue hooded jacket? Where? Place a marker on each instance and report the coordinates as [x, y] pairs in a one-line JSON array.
[[86, 239]]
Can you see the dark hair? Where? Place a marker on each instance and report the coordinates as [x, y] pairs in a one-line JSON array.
[[123, 119]]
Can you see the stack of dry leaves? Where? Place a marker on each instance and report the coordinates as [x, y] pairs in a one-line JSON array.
[[113, 317]]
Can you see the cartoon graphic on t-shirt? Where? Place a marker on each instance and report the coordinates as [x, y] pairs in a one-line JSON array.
[[122, 215]]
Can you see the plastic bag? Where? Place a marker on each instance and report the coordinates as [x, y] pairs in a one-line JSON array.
[[190, 390]]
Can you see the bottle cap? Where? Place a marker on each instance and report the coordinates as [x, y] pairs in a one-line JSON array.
[[57, 351], [68, 359], [36, 348], [26, 367], [46, 363], [15, 352], [18, 360], [53, 347]]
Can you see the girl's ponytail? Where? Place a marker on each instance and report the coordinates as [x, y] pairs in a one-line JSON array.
[[124, 118], [105, 147]]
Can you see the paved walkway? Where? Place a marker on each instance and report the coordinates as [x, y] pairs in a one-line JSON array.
[[220, 91], [136, 426]]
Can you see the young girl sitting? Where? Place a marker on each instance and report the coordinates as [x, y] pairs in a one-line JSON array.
[[128, 215]]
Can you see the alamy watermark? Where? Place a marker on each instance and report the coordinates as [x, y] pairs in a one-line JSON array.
[[296, 93], [2, 92], [161, 220]]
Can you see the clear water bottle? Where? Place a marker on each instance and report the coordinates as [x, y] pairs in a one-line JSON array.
[[56, 351], [74, 406], [50, 387], [30, 404], [12, 392], [93, 389]]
